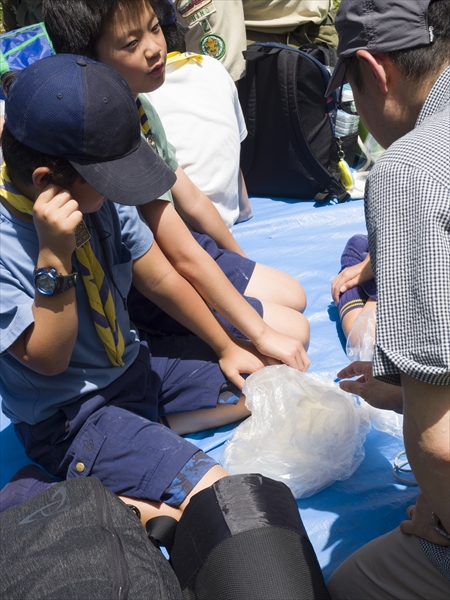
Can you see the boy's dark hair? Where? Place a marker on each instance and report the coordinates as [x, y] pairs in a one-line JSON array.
[[173, 31], [22, 160], [75, 26], [418, 64], [175, 36]]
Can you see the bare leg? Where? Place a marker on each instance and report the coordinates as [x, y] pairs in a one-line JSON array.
[[274, 286], [157, 509], [288, 321]]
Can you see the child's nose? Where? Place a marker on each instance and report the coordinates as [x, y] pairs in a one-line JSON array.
[[152, 49]]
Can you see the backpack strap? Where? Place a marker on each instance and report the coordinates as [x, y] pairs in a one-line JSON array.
[[247, 93]]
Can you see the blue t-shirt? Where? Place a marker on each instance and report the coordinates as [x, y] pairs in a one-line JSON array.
[[27, 395]]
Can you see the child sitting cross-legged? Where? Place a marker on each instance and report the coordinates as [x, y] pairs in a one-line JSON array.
[[83, 390], [126, 35]]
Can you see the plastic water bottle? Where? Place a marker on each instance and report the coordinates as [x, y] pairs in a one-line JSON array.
[[347, 119]]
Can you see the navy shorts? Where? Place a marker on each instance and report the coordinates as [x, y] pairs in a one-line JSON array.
[[237, 269], [115, 435], [355, 252]]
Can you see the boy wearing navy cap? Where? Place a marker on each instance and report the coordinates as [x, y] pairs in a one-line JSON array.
[[83, 391], [396, 56]]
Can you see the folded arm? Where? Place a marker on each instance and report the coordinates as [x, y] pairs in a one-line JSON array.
[[46, 345], [194, 264], [156, 279]]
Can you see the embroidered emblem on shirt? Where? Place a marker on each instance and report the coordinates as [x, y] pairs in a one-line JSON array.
[[186, 8], [213, 45]]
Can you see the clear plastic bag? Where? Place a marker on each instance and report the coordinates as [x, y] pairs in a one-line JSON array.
[[387, 421], [303, 430], [361, 338]]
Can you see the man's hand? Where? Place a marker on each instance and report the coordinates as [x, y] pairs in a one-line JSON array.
[[56, 217], [280, 348], [374, 392], [350, 278], [240, 356], [419, 522]]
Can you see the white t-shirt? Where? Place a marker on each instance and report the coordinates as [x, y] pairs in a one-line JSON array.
[[200, 111]]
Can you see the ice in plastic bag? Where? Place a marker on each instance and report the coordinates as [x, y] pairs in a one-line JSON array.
[[303, 430]]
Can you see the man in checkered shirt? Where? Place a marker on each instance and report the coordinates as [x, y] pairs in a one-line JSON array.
[[396, 56]]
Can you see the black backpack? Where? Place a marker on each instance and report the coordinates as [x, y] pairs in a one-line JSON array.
[[77, 540], [290, 150]]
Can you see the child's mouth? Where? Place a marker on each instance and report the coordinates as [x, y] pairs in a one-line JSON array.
[[158, 70]]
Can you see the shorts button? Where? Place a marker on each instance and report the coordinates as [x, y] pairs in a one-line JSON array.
[[80, 467]]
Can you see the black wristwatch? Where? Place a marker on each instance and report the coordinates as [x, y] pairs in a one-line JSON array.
[[48, 281]]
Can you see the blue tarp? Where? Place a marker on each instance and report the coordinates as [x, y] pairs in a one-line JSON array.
[[305, 239]]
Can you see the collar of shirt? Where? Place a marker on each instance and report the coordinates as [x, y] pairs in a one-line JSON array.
[[438, 98]]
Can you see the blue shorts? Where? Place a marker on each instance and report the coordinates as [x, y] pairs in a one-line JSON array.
[[115, 435], [237, 269]]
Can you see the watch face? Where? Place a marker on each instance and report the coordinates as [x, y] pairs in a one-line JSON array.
[[45, 283]]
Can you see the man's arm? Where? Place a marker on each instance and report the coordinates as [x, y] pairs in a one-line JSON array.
[[47, 344], [426, 428], [156, 279], [194, 264], [197, 210]]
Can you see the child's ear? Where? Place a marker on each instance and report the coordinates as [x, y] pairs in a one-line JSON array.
[[42, 177]]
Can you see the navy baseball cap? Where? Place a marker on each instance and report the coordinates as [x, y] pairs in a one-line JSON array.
[[71, 106], [378, 26]]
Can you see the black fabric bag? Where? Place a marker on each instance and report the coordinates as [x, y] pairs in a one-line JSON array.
[[290, 150], [77, 540]]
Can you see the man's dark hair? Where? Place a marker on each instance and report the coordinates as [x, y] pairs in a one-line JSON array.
[[418, 64], [22, 160], [75, 26]]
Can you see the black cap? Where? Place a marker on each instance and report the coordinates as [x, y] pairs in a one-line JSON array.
[[71, 106], [379, 26]]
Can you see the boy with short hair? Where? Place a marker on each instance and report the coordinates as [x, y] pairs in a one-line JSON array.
[[83, 391], [127, 36]]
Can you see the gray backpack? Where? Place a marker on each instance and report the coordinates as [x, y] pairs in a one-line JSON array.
[[77, 540]]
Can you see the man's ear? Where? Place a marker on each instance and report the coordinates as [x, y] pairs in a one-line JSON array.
[[42, 177], [378, 66]]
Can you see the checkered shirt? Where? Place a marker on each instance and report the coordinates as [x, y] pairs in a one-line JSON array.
[[407, 203]]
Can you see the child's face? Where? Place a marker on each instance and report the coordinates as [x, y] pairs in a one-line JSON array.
[[133, 43]]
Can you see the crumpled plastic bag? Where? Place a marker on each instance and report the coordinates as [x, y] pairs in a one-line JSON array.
[[303, 430], [387, 421]]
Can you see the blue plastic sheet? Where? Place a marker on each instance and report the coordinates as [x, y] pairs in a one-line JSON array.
[[305, 240]]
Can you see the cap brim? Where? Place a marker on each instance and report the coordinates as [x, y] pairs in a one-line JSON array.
[[337, 78], [137, 178]]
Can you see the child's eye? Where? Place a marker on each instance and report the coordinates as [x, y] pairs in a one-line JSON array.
[[131, 44], [156, 27]]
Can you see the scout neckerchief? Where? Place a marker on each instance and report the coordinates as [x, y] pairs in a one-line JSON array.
[[145, 126], [172, 57], [95, 282]]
